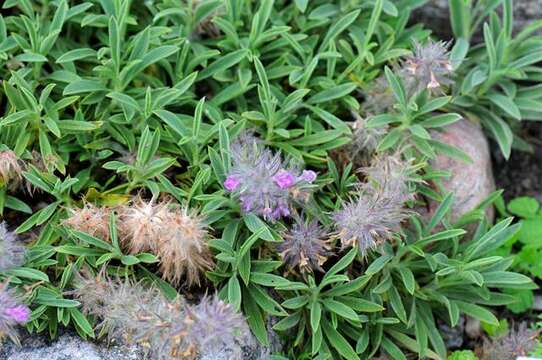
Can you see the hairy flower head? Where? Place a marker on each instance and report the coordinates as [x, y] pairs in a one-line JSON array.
[[12, 252], [168, 329], [90, 219], [216, 324], [376, 213], [266, 185], [304, 245], [429, 67], [176, 235], [12, 313], [518, 342], [11, 167]]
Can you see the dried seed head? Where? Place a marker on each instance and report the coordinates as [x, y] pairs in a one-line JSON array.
[[12, 313], [184, 252], [11, 167], [517, 343], [168, 329], [12, 252], [266, 185], [378, 210], [178, 237], [304, 245], [90, 219], [216, 325], [142, 224]]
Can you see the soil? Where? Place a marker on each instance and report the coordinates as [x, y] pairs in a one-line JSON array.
[[521, 175]]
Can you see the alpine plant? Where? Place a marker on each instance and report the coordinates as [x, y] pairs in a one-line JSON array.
[[266, 184]]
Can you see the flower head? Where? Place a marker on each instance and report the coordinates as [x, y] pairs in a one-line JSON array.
[[168, 329], [11, 167], [266, 185], [12, 252], [518, 342], [177, 236], [378, 210], [216, 324], [429, 67], [304, 245], [90, 219], [12, 313]]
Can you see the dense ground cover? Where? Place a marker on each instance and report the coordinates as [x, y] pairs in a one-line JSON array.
[[186, 174]]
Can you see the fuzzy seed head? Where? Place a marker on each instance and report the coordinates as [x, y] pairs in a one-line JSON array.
[[378, 210], [177, 236], [304, 246], [90, 219], [141, 224], [12, 313], [11, 167], [12, 252], [183, 250], [517, 343], [167, 329], [266, 185], [216, 324]]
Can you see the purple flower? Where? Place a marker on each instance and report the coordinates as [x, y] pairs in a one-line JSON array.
[[12, 313], [284, 179], [308, 176], [231, 183], [304, 246], [265, 184], [19, 313]]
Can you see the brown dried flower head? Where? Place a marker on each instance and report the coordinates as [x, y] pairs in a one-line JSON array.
[[89, 219], [176, 235], [11, 167]]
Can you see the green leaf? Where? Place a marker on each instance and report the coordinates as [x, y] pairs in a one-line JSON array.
[[223, 63], [505, 104], [477, 312], [337, 341], [84, 86]]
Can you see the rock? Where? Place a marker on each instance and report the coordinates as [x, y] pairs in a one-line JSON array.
[[452, 336], [473, 328], [435, 15], [470, 183], [253, 351], [67, 347]]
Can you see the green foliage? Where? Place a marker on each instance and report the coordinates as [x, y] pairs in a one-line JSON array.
[[106, 100], [526, 247], [495, 79], [463, 355]]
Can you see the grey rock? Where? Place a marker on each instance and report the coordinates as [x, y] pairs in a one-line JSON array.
[[470, 183], [66, 347], [435, 14], [69, 346]]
